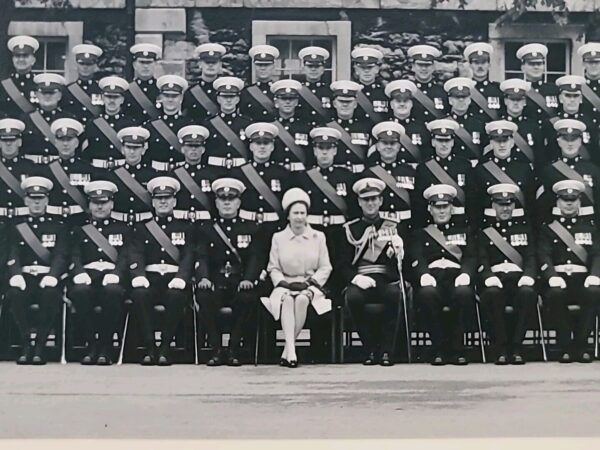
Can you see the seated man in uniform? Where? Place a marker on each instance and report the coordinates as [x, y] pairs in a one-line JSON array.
[[161, 263], [36, 261], [569, 254], [100, 266], [507, 273], [228, 268], [444, 267], [372, 258]]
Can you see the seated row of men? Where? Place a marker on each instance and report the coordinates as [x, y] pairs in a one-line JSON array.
[[165, 259]]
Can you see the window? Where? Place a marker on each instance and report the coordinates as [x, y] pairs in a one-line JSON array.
[[558, 61], [51, 55], [290, 36], [289, 63]]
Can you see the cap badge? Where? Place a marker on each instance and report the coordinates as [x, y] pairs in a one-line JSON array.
[[325, 138], [573, 85], [226, 189], [569, 130], [505, 194], [98, 192], [479, 52], [500, 131], [389, 132], [443, 130], [194, 136], [570, 191], [534, 54], [440, 196], [593, 53], [261, 133], [227, 86], [170, 85], [145, 53], [288, 90], [344, 91], [86, 55], [365, 58], [36, 188], [460, 88], [211, 52], [263, 55], [162, 187]]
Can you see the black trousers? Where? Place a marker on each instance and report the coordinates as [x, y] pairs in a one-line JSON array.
[[19, 302], [241, 304], [99, 308], [173, 300], [557, 302], [446, 332], [376, 332]]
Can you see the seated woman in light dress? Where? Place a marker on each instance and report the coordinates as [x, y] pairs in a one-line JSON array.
[[299, 266]]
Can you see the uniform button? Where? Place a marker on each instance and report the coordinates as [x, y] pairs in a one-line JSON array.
[[130, 199], [325, 200], [227, 252], [163, 226]]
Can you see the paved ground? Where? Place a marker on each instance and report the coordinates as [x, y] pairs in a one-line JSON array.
[[349, 401]]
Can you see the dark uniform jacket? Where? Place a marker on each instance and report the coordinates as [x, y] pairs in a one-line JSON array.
[[475, 126], [127, 204], [532, 131], [72, 105], [323, 93], [161, 153], [192, 108], [359, 131], [417, 132], [35, 144], [435, 91], [250, 107], [100, 151], [218, 263], [375, 92], [549, 91], [149, 88], [190, 206], [491, 92], [217, 145], [299, 130], [26, 86], [20, 168]]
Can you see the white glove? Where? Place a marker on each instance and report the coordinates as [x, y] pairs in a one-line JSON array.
[[557, 282], [493, 282], [48, 281], [138, 282], [82, 278], [398, 245], [526, 281], [110, 278], [591, 280], [462, 280], [428, 280], [17, 281], [363, 282], [176, 283]]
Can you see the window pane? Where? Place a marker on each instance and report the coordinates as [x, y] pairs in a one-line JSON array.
[[56, 52], [290, 46]]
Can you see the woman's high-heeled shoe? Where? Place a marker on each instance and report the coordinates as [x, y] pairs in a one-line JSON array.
[[292, 364], [284, 362]]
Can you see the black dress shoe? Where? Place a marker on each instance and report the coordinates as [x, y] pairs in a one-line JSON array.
[[283, 362], [38, 358], [517, 360], [215, 360], [103, 360], [385, 360], [163, 361], [370, 360], [460, 361], [148, 360], [585, 358], [565, 358], [233, 360], [501, 360], [293, 364], [438, 360], [25, 357]]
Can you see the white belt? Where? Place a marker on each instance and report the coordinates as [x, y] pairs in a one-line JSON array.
[[506, 267], [191, 215], [162, 268], [107, 163], [41, 159], [443, 264], [35, 269], [14, 212], [295, 166], [225, 162], [583, 211], [100, 266], [64, 210], [517, 212], [570, 268], [326, 220], [124, 217], [458, 210], [259, 216], [395, 216], [165, 166]]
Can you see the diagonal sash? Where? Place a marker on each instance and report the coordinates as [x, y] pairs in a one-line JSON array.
[[82, 97], [42, 126], [503, 177], [590, 96], [15, 95], [573, 175], [370, 249], [262, 99], [289, 141], [524, 146], [204, 100], [34, 243], [192, 187], [539, 100], [310, 98], [108, 132], [466, 138], [347, 140], [569, 241], [482, 102], [166, 133], [367, 106], [427, 103], [390, 182], [226, 241], [161, 237], [443, 177], [143, 101], [63, 179], [328, 190], [10, 180], [98, 238], [413, 149], [133, 185], [230, 136], [508, 250], [261, 187], [439, 237]]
